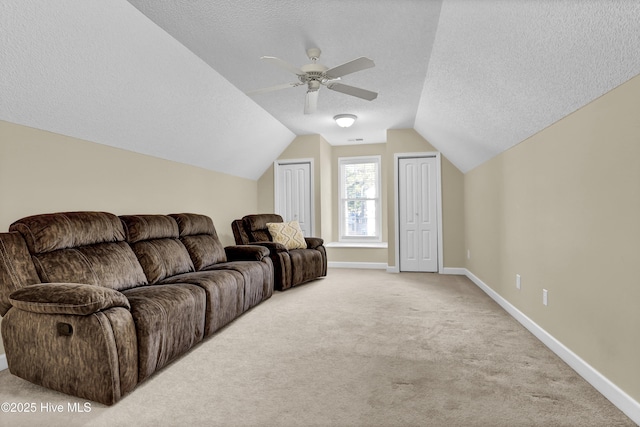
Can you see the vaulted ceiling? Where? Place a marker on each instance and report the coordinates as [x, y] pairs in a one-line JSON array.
[[168, 78]]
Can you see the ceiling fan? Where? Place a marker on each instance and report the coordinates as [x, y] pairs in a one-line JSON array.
[[315, 74]]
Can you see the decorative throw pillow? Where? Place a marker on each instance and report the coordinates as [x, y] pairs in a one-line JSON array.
[[287, 233]]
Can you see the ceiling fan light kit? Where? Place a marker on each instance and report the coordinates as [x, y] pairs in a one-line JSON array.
[[314, 75], [345, 120]]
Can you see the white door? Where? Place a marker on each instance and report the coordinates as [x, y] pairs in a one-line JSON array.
[[418, 220], [293, 194]]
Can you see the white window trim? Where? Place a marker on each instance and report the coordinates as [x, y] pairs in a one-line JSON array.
[[351, 160]]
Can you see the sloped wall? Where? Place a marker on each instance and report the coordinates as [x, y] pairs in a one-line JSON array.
[[562, 209], [103, 72]]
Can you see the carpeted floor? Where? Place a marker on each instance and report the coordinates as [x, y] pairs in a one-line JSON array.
[[358, 348]]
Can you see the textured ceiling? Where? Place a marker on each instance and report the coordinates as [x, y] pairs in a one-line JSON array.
[[103, 72], [167, 78], [231, 36], [500, 71]]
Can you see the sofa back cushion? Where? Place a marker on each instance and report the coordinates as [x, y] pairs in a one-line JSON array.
[[199, 236], [64, 230], [112, 265], [81, 247], [239, 234], [16, 268], [154, 240], [256, 226]]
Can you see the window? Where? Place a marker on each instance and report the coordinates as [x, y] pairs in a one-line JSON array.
[[360, 206]]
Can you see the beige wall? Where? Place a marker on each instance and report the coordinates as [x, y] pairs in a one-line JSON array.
[[562, 209], [303, 147], [326, 197], [44, 172], [326, 179]]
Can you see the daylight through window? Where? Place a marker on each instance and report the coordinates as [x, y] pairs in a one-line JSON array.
[[360, 210]]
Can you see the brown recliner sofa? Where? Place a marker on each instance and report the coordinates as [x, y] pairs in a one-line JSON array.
[[292, 267], [93, 303]]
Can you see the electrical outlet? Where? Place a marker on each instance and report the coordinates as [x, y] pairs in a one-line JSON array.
[[518, 282], [468, 253], [545, 297]]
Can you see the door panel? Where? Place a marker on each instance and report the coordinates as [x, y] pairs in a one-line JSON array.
[[425, 245], [303, 208], [425, 199], [411, 245]]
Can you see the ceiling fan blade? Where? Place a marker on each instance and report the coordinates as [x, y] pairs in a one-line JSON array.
[[273, 88], [283, 64], [353, 91], [358, 64], [311, 102]]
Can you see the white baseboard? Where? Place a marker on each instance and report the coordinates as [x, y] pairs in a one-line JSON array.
[[368, 265], [445, 270], [617, 396], [3, 362], [454, 271]]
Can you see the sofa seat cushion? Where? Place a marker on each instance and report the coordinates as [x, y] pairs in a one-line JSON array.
[[306, 264], [225, 295], [169, 320], [256, 280]]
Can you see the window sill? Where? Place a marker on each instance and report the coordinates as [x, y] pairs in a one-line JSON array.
[[374, 245]]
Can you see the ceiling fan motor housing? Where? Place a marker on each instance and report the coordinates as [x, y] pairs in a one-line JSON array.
[[313, 53], [314, 75]]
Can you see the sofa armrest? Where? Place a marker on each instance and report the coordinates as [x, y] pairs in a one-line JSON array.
[[246, 252], [314, 242], [67, 298], [274, 248]]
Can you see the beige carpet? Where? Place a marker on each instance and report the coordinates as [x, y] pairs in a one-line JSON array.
[[358, 348]]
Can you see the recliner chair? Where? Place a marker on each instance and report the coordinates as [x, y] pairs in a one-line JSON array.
[[292, 267]]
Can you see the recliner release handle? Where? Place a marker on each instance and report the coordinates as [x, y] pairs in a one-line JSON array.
[[64, 329]]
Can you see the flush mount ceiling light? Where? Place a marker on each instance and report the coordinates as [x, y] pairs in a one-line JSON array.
[[345, 120]]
